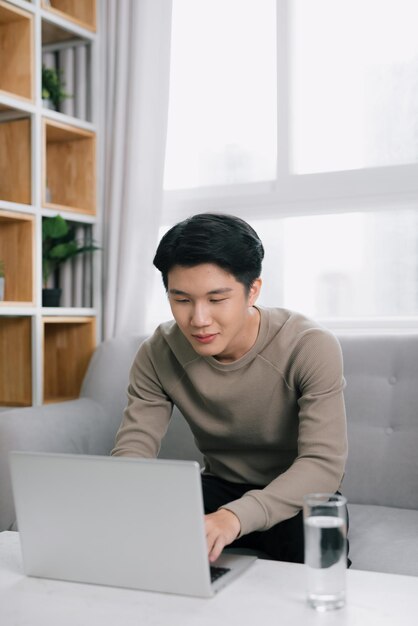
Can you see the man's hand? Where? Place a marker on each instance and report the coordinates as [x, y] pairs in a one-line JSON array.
[[222, 527]]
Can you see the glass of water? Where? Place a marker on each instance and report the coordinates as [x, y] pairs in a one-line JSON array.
[[325, 531]]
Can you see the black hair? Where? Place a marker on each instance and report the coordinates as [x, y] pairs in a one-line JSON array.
[[225, 240]]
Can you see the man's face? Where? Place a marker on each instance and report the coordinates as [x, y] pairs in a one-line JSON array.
[[213, 310]]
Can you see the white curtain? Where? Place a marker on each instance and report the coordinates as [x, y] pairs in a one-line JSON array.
[[135, 67]]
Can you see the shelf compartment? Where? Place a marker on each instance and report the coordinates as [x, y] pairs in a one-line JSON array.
[[69, 168], [15, 159], [68, 344], [75, 277], [72, 60], [15, 361], [16, 45], [81, 12], [17, 232]]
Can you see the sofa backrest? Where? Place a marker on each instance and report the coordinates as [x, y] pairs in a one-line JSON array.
[[106, 379], [106, 382], [381, 403], [382, 416]]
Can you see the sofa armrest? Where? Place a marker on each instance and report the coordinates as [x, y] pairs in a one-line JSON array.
[[80, 426]]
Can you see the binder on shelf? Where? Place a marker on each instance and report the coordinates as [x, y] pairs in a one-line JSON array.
[[66, 284], [80, 81], [88, 270], [66, 68], [49, 60], [77, 267]]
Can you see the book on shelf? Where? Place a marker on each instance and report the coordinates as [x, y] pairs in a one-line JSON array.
[[49, 60], [66, 69], [80, 92], [66, 284], [77, 267]]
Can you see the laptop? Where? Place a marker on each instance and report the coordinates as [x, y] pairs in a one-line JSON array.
[[133, 523]]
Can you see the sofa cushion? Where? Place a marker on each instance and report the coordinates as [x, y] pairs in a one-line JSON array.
[[383, 539]]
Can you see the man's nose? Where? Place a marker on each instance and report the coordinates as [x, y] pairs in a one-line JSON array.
[[201, 315]]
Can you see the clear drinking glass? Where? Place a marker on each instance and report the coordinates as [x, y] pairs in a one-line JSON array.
[[325, 530]]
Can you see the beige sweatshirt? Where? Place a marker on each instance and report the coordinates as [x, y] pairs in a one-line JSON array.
[[274, 418]]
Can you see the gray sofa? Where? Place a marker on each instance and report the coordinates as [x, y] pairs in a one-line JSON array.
[[381, 481]]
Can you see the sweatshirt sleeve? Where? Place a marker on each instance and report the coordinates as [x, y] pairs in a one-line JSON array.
[[316, 371], [148, 411]]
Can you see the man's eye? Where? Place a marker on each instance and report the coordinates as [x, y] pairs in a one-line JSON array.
[[181, 301], [218, 299]]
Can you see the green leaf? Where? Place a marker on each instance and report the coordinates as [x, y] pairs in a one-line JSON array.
[[63, 251], [59, 244], [54, 227]]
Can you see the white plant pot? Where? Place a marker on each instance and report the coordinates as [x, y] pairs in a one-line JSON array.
[[1, 288]]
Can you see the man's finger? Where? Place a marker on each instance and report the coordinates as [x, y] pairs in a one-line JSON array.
[[216, 550]]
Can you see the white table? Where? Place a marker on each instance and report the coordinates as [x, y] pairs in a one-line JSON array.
[[267, 593]]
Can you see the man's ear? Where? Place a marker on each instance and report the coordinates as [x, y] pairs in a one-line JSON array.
[[254, 291]]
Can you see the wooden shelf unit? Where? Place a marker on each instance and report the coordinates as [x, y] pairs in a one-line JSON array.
[[15, 159], [68, 345], [44, 352], [69, 158], [81, 12], [16, 45], [15, 361], [17, 238]]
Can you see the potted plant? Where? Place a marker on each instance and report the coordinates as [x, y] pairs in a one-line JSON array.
[[1, 280], [59, 244], [52, 88]]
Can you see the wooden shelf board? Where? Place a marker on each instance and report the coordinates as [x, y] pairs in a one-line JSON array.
[[15, 303], [83, 217], [11, 94], [6, 215], [69, 121], [57, 131], [65, 207], [67, 319], [10, 13]]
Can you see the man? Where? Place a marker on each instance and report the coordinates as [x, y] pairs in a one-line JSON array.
[[262, 389]]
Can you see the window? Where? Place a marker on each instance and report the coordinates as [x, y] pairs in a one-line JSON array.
[[350, 265], [302, 118], [354, 84], [222, 114]]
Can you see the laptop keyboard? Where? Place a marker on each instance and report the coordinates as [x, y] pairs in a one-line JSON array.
[[217, 572]]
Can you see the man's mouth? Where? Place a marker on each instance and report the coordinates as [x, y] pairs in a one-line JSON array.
[[204, 338]]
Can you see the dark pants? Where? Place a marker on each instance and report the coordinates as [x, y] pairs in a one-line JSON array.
[[282, 542]]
